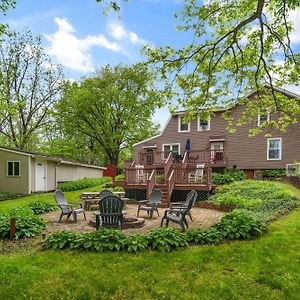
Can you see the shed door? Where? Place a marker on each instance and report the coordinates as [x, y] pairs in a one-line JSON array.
[[40, 176]]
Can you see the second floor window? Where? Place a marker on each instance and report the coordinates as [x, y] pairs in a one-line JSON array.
[[13, 168], [182, 125], [264, 117], [203, 124]]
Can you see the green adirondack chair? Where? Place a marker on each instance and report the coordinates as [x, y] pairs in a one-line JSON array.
[[110, 212], [178, 214]]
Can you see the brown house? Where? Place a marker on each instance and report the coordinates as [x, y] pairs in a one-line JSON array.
[[186, 154]]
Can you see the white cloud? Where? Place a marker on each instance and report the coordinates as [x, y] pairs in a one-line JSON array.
[[118, 32], [294, 17], [74, 52]]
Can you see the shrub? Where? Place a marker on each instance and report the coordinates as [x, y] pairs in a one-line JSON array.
[[236, 200], [136, 242], [118, 189], [40, 207], [204, 236], [100, 240], [120, 177], [82, 183], [60, 240], [27, 224], [166, 239], [266, 199], [273, 173], [240, 225], [228, 176], [6, 196]]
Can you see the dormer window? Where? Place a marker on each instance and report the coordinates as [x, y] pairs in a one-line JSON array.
[[263, 118], [182, 125], [203, 124]]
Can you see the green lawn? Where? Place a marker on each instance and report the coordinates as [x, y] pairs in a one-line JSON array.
[[7, 205], [266, 268]]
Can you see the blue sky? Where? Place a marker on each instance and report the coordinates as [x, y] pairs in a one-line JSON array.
[[80, 38]]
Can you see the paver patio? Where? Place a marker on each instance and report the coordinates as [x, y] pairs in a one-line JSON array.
[[202, 218]]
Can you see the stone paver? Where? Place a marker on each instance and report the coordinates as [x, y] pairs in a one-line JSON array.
[[202, 218]]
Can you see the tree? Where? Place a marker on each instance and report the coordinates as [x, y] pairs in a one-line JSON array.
[[238, 46], [4, 6], [29, 85], [113, 108]]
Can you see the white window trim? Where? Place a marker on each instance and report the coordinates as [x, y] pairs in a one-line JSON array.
[[198, 124], [258, 119], [13, 161], [163, 151], [268, 148], [179, 126]]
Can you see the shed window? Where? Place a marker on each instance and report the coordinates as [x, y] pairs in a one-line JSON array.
[[13, 168]]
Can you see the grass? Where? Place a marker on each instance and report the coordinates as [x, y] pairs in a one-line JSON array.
[[73, 196], [265, 268]]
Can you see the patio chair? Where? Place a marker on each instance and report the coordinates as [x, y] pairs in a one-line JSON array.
[[66, 208], [178, 215], [174, 205], [151, 205], [110, 212], [105, 193]]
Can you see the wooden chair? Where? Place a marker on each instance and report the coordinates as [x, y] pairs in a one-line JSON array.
[[66, 208], [110, 212]]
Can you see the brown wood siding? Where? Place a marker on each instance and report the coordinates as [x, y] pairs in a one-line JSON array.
[[241, 150]]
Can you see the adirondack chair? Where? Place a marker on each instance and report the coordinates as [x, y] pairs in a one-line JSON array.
[[66, 208], [110, 212], [178, 215], [151, 205], [174, 205], [105, 193]]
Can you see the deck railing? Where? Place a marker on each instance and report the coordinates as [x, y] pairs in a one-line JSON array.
[[151, 183], [170, 184], [193, 156], [168, 164]]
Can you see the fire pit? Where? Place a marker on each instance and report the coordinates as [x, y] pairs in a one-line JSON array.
[[128, 222]]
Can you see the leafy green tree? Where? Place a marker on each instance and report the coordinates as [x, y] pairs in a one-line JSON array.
[[4, 6], [113, 108], [29, 85], [238, 46]]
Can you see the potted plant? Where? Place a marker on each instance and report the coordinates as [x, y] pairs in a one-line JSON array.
[[160, 178]]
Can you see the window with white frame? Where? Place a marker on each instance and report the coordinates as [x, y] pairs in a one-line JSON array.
[[182, 125], [13, 168], [274, 149], [167, 148], [264, 117], [203, 124]]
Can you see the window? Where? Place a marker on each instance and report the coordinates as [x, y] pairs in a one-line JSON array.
[[203, 124], [13, 168], [182, 126], [274, 149], [264, 117], [167, 148]]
